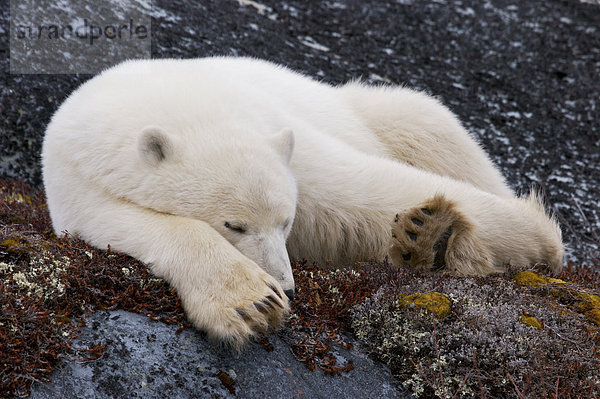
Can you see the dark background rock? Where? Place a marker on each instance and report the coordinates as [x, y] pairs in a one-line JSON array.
[[523, 76]]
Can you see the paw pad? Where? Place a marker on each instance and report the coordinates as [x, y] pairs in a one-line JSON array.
[[416, 221], [420, 235]]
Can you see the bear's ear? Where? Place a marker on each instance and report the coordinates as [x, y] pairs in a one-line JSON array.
[[155, 145], [283, 142]]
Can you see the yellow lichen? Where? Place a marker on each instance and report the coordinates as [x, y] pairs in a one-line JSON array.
[[593, 315], [17, 245], [17, 197], [532, 279], [433, 302], [590, 307], [576, 299], [530, 321], [10, 243], [24, 245]]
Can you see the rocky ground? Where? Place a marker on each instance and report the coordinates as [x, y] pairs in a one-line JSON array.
[[148, 359], [523, 76]]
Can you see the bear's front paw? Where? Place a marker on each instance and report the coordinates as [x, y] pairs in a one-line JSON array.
[[244, 302], [437, 237]]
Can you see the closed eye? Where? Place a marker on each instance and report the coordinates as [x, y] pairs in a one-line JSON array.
[[234, 227]]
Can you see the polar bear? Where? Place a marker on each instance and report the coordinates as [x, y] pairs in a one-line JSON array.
[[206, 169]]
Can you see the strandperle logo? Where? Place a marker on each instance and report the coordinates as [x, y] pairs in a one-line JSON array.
[[86, 30], [77, 36]]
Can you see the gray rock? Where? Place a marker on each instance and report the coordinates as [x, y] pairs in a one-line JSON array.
[[147, 359]]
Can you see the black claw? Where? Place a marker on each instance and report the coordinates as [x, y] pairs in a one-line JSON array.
[[289, 294], [275, 301], [396, 219], [406, 257], [416, 221], [243, 314], [275, 290], [440, 247], [411, 235], [437, 268], [261, 308], [426, 211], [268, 302]]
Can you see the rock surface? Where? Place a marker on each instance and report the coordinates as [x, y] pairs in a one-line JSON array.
[[523, 76], [147, 359]]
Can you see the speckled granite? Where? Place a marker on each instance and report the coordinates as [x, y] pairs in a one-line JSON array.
[[523, 76]]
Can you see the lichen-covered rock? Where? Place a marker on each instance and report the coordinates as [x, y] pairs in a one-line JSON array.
[[574, 296], [511, 334], [143, 358]]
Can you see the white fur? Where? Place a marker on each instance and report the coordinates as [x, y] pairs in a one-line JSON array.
[[153, 157]]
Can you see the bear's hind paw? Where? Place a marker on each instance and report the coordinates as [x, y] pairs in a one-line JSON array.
[[437, 237]]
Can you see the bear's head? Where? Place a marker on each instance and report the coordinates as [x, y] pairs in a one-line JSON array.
[[241, 185]]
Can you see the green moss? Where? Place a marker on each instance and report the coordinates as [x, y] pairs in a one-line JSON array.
[[434, 302], [593, 315], [533, 331]]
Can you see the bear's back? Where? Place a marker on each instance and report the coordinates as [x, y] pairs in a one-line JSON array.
[[214, 95]]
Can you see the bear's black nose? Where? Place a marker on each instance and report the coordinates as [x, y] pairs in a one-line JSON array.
[[290, 294]]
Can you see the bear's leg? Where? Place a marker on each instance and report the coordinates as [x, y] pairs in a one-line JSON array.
[[481, 232], [420, 131], [223, 292], [435, 236], [462, 231]]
